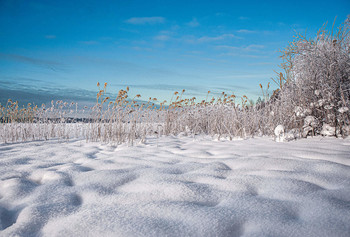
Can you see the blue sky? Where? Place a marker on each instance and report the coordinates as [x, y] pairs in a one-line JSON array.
[[61, 49]]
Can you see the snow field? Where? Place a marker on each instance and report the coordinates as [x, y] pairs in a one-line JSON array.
[[176, 186]]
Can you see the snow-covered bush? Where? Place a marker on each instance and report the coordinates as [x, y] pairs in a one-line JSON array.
[[317, 82]]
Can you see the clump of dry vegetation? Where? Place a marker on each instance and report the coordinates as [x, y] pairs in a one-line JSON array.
[[313, 98], [314, 92]]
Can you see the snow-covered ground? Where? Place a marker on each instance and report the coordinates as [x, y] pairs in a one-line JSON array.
[[176, 186]]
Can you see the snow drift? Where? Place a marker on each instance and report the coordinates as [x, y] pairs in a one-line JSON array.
[[176, 187]]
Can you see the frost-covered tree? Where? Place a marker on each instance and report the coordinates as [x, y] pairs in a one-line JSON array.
[[317, 82]]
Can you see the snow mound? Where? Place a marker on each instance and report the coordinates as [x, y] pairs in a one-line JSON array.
[[328, 130], [279, 133]]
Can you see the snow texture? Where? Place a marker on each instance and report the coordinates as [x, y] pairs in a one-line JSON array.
[[176, 186]]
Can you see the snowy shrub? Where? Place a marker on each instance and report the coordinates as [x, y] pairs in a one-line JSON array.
[[310, 123], [317, 81]]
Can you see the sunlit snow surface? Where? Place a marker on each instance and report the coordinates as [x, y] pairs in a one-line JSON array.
[[176, 186]]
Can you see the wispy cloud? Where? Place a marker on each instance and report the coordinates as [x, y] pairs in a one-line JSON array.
[[245, 31], [145, 20], [137, 48], [243, 18], [221, 14], [249, 51], [89, 42], [261, 64], [254, 47], [106, 38], [251, 47], [129, 30], [230, 87], [162, 37], [43, 93], [159, 86], [39, 62], [165, 35], [191, 39], [244, 75], [243, 55], [217, 38], [193, 23], [130, 67], [50, 36]]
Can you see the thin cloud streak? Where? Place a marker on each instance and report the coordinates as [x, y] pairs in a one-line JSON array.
[[207, 39], [39, 62], [89, 42], [249, 48], [217, 38], [162, 37], [50, 36], [145, 20], [257, 75], [193, 23], [245, 31], [243, 55], [243, 18]]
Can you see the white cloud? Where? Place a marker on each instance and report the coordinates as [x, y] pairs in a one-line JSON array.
[[226, 47], [166, 32], [193, 23], [145, 20], [162, 37], [55, 66], [244, 75], [89, 42], [246, 31], [137, 48], [261, 63], [243, 18], [221, 14], [250, 51], [50, 36], [243, 55], [106, 38], [191, 39], [217, 38], [252, 47]]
